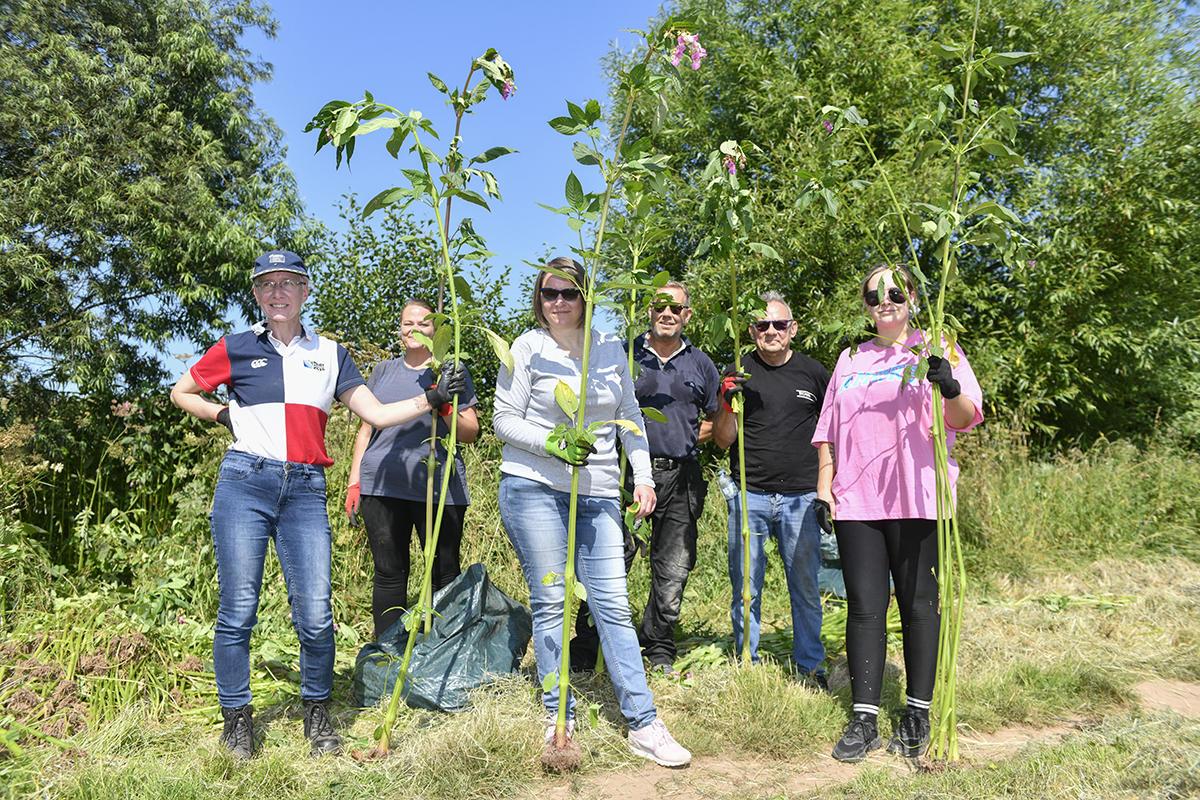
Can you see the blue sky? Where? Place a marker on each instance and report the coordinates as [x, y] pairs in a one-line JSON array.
[[328, 51]]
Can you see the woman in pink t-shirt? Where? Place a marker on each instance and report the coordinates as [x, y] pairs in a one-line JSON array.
[[877, 475]]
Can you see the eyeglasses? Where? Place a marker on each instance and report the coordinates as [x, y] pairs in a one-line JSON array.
[[766, 325], [550, 295], [894, 294], [267, 286], [675, 309]]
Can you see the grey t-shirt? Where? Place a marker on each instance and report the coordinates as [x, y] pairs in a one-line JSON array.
[[394, 463]]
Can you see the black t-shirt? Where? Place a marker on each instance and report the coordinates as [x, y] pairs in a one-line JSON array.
[[781, 411]]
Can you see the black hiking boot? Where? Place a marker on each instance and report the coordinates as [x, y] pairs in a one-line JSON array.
[[911, 735], [860, 738], [238, 734], [318, 728]]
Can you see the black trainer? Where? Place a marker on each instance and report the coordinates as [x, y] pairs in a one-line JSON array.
[[238, 734], [318, 728], [860, 738], [912, 734]]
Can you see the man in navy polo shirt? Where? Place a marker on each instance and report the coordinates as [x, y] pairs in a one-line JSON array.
[[282, 381], [681, 382]]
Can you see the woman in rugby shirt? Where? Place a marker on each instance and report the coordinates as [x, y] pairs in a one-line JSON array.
[[282, 380]]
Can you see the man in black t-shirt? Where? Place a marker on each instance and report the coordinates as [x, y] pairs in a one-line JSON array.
[[782, 400]]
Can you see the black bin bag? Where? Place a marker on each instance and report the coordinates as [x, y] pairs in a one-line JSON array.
[[478, 633]]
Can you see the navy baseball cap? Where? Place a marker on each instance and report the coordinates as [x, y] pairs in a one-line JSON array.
[[278, 261]]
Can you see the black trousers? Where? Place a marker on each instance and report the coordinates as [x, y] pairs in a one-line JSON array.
[[681, 490], [908, 549], [389, 522]]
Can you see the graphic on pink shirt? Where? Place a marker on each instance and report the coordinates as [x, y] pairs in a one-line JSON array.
[[879, 426]]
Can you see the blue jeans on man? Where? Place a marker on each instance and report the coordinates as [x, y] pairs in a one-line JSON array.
[[258, 500], [792, 521]]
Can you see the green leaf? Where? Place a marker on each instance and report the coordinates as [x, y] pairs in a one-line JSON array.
[[463, 289], [930, 148], [500, 348], [948, 51], [566, 398], [438, 83], [386, 198], [580, 592], [654, 414], [468, 195], [491, 154], [586, 154], [1003, 152], [592, 111], [996, 210], [567, 126], [424, 339], [443, 339], [574, 193], [631, 514], [550, 681], [1010, 58], [765, 250]]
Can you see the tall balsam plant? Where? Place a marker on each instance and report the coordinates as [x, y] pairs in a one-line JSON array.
[[948, 141], [651, 78], [339, 123], [729, 205]]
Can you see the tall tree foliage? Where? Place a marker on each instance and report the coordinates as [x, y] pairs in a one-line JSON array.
[[137, 181], [1091, 329]]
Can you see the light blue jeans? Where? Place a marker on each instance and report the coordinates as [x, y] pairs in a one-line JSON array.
[[792, 520], [535, 517], [257, 500]]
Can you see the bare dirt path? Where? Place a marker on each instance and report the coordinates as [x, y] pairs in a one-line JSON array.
[[717, 778]]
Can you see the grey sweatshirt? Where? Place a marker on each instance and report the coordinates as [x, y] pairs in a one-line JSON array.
[[526, 411]]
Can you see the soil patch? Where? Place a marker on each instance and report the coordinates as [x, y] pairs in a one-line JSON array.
[[720, 777]]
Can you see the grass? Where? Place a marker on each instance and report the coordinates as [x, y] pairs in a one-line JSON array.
[[1065, 615]]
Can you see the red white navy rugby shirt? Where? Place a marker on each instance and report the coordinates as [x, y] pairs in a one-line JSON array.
[[279, 394]]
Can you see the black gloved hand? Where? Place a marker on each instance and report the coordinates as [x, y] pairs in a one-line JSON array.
[[940, 373], [733, 383], [223, 418], [823, 518], [453, 382]]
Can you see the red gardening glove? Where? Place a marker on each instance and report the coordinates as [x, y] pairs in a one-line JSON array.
[[733, 383], [352, 502]]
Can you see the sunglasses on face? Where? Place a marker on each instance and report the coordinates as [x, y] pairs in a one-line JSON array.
[[550, 295], [766, 325], [894, 294], [675, 309]]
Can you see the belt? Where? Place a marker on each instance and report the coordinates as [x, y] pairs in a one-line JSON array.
[[664, 464]]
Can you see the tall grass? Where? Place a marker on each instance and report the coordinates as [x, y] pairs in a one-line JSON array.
[[1085, 562]]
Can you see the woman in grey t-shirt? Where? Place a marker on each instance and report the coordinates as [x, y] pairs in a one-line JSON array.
[[389, 474]]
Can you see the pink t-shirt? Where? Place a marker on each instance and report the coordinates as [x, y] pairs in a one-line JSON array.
[[879, 427]]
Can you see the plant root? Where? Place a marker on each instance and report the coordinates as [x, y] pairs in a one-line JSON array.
[[567, 758]]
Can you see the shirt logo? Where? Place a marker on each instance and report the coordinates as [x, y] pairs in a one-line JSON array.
[[317, 365], [805, 395], [258, 363]]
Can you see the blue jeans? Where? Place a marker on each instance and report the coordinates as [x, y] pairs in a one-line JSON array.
[[258, 500], [535, 517], [792, 520]]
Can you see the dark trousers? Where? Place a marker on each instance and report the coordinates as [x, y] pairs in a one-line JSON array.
[[389, 522], [908, 550], [681, 490]]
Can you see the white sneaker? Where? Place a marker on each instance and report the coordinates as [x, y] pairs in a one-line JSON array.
[[552, 724], [655, 743]]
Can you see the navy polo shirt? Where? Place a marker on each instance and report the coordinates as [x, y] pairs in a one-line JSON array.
[[685, 389]]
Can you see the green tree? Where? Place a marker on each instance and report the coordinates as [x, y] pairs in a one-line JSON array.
[[1095, 330], [138, 181]]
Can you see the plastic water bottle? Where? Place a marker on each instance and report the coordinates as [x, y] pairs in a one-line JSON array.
[[728, 487]]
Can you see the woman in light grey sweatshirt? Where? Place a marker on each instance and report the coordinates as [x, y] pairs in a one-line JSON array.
[[540, 451]]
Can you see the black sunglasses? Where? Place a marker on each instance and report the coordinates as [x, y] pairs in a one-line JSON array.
[[675, 309], [550, 295], [898, 297], [766, 324]]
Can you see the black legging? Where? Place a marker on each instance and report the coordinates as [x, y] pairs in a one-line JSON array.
[[909, 548], [389, 522]]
